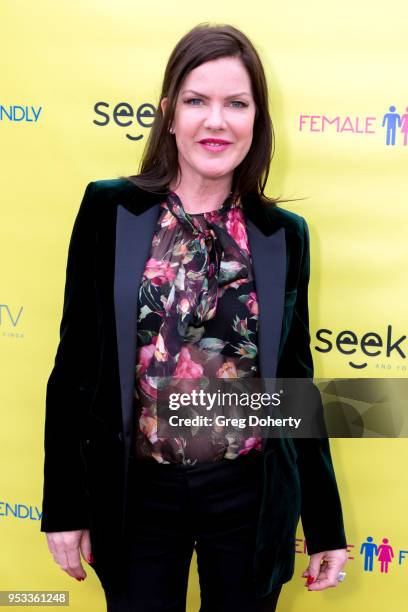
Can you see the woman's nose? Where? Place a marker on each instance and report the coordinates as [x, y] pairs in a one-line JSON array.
[[215, 117]]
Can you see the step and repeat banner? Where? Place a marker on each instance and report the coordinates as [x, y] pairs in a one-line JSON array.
[[79, 90]]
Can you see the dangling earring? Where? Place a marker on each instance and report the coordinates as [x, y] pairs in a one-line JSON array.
[[171, 130]]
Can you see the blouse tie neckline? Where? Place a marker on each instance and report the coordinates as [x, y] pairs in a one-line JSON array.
[[211, 258]]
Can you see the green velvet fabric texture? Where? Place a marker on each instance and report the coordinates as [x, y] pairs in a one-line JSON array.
[[84, 483]]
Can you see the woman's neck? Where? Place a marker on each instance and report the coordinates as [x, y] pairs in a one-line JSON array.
[[196, 201]]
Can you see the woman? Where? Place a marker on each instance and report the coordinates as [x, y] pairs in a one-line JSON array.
[[187, 272]]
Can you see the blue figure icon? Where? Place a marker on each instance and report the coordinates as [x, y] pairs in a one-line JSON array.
[[391, 120], [369, 549]]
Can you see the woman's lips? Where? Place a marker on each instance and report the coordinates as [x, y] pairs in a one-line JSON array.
[[214, 148]]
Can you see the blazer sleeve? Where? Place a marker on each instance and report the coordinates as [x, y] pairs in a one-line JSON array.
[[321, 511], [65, 501]]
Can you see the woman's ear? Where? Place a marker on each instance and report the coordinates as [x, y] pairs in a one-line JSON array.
[[163, 104]]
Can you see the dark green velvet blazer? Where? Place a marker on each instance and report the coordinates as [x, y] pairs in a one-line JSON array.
[[88, 420]]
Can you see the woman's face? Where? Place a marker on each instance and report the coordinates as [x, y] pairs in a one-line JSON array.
[[215, 102]]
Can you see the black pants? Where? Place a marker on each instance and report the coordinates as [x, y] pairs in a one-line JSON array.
[[212, 507]]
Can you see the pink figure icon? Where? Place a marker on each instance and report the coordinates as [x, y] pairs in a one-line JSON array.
[[385, 555], [404, 126]]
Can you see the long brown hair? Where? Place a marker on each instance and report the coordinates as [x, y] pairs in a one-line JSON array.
[[205, 42]]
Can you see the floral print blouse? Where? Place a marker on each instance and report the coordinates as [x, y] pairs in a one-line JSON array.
[[197, 319]]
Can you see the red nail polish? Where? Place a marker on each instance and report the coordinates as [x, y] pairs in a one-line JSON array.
[[91, 558], [310, 579]]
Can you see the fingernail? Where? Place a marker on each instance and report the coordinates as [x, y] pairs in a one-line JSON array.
[[310, 579], [78, 578], [91, 558]]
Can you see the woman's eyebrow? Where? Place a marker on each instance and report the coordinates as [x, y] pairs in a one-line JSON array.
[[196, 93]]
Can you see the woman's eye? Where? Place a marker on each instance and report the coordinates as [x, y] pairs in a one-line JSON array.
[[190, 100], [193, 100]]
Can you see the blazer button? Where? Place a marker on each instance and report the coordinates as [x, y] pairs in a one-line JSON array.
[[120, 436]]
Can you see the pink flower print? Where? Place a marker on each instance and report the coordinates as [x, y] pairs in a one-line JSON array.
[[183, 305], [231, 268], [186, 367], [235, 226], [159, 272], [148, 425], [148, 389], [227, 370], [251, 443], [180, 249], [145, 355], [168, 220], [252, 303], [211, 312], [235, 284], [160, 353]]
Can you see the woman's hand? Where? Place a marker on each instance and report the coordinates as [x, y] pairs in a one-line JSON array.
[[325, 574], [65, 547]]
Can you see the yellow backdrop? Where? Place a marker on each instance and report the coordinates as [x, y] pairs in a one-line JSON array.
[[334, 71]]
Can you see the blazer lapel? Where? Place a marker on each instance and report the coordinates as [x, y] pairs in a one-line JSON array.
[[269, 267], [133, 240], [134, 233]]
